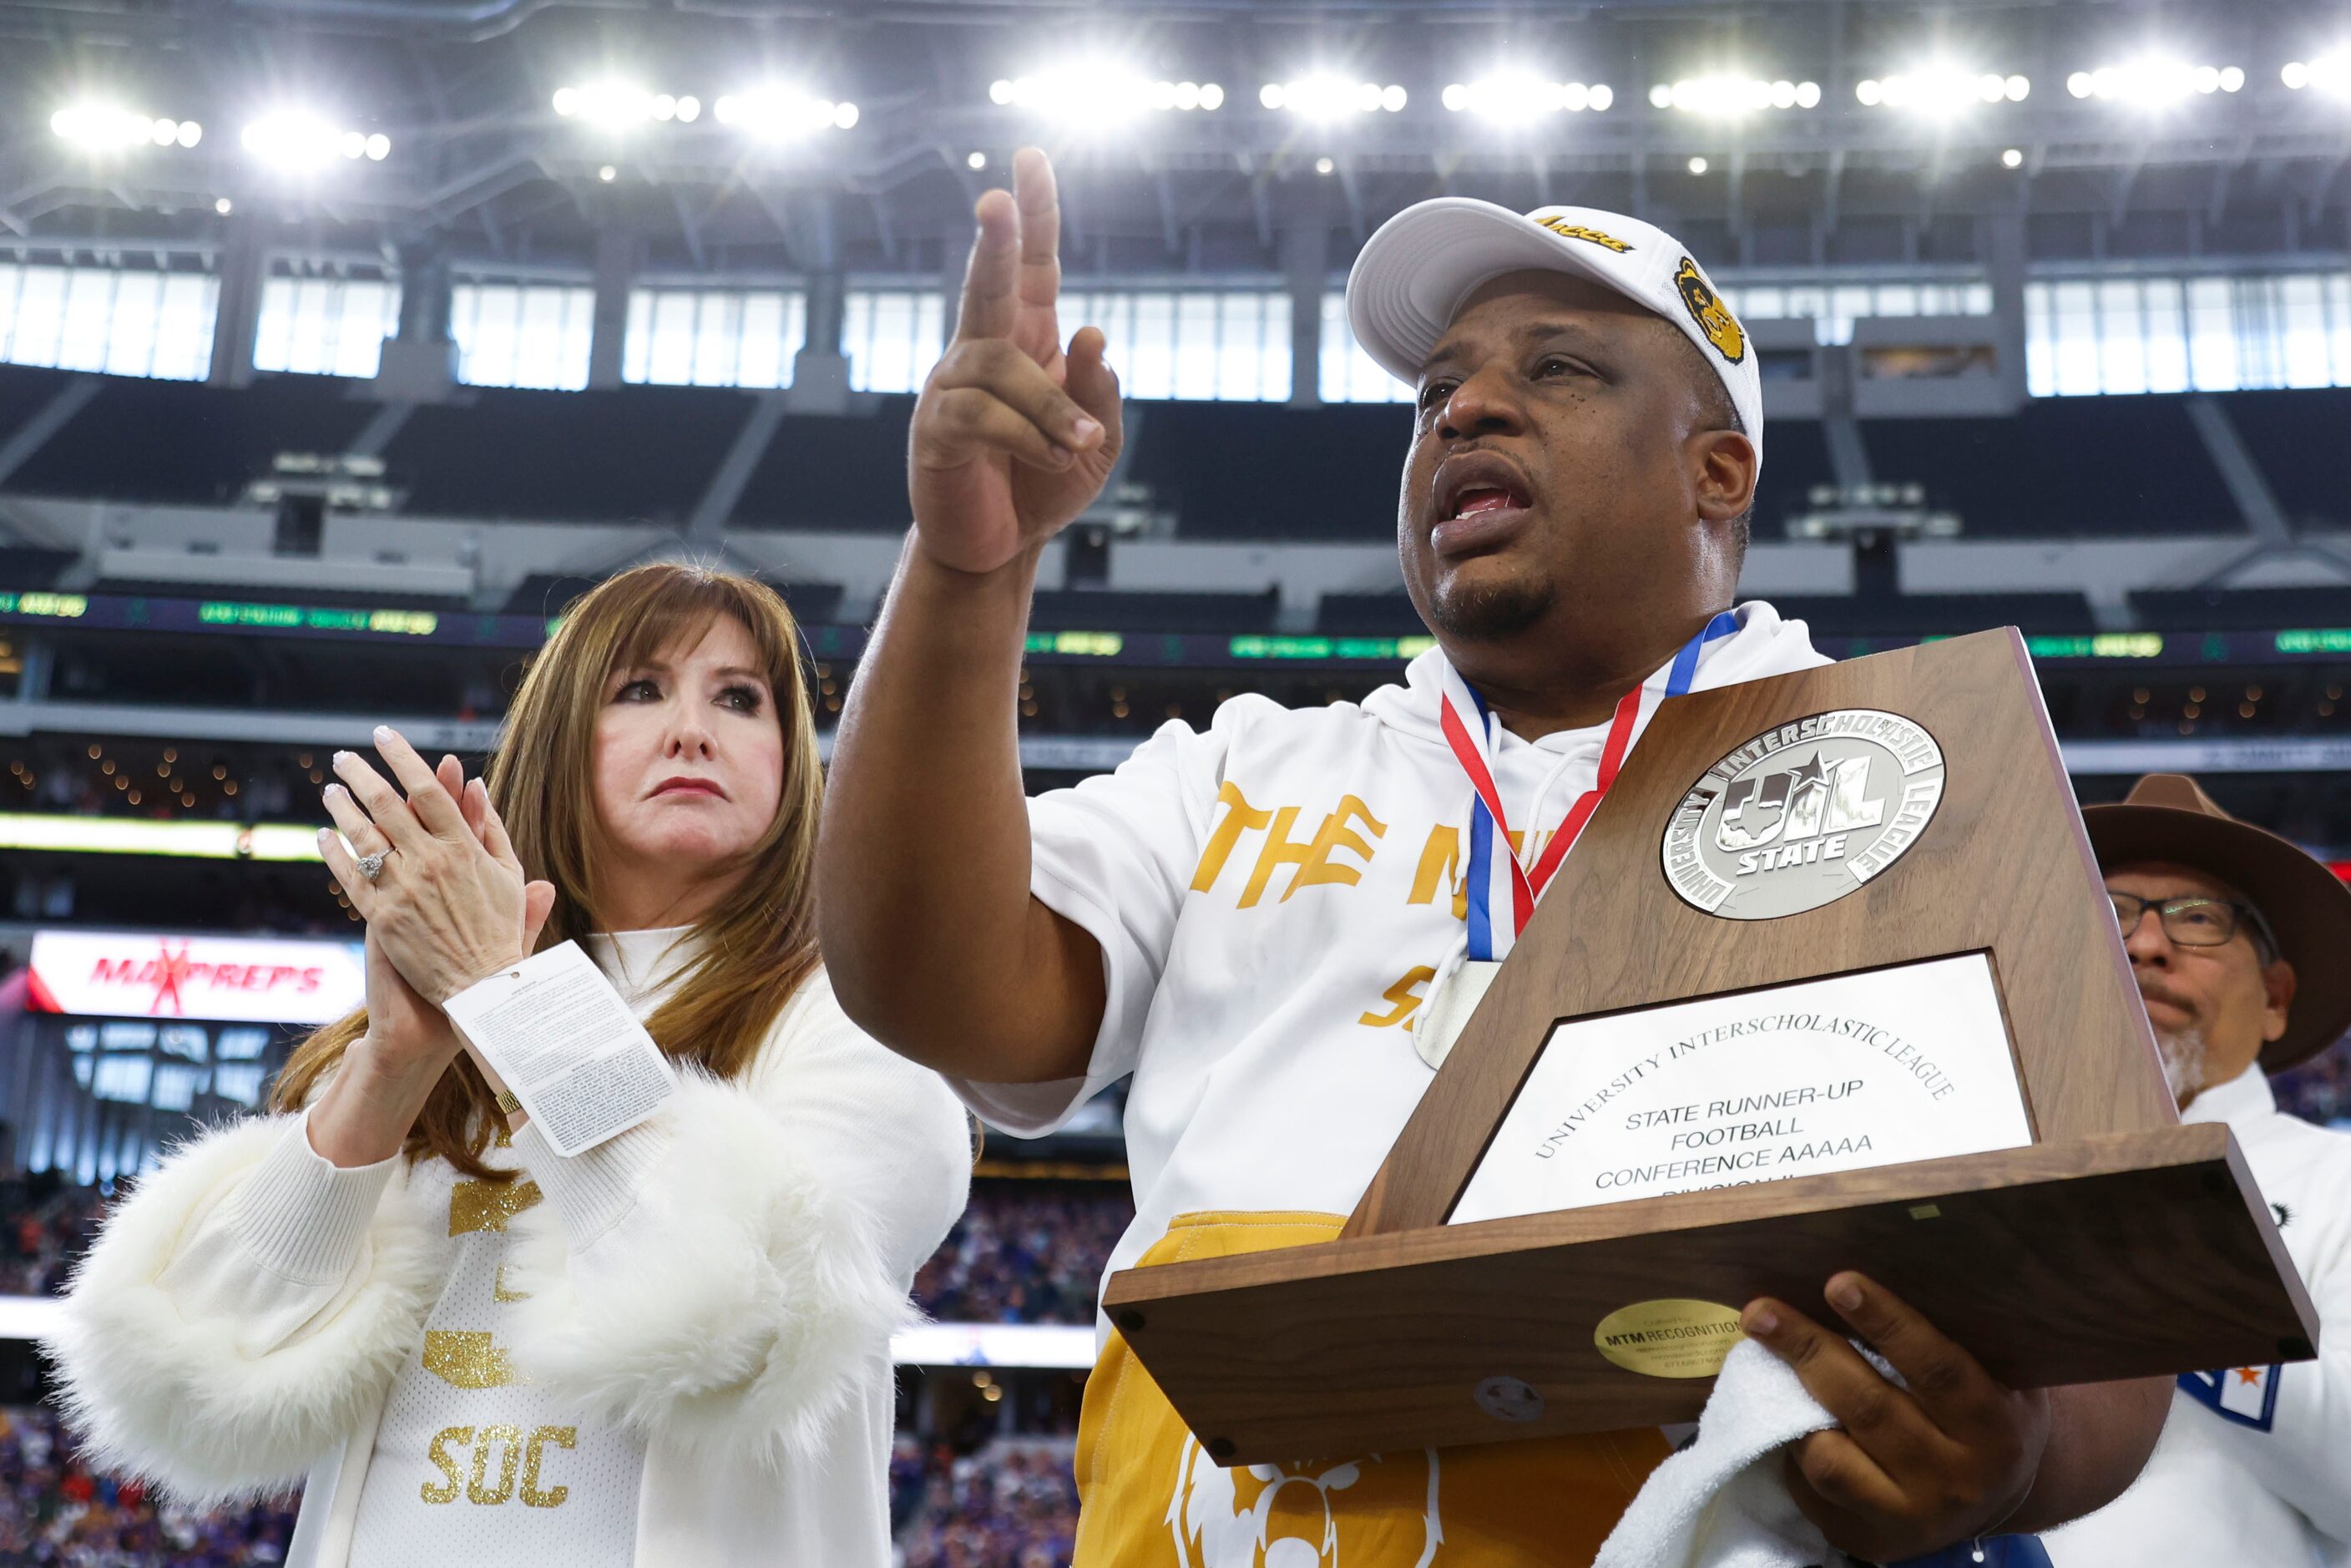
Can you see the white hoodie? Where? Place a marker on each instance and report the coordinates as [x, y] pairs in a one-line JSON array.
[[1273, 898], [718, 1284]]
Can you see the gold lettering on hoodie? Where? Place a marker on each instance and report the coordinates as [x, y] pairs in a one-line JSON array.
[[488, 1205]]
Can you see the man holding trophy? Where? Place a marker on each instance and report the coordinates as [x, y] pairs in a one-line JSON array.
[[1278, 925]]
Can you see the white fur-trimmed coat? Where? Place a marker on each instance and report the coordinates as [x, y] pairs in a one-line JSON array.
[[722, 1281]]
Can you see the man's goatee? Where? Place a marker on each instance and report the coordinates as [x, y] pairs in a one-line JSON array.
[[2184, 1062]]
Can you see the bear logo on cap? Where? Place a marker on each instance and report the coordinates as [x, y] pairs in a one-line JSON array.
[[1713, 317]]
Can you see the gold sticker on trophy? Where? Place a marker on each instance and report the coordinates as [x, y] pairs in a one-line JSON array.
[[1669, 1337]]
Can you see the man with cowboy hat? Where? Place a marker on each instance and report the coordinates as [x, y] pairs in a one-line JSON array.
[[2241, 945]]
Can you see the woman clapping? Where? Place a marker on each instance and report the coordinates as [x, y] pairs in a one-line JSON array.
[[671, 1349]]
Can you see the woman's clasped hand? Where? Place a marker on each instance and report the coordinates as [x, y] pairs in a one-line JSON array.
[[450, 904]]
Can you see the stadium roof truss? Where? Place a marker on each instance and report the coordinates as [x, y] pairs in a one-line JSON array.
[[483, 168]]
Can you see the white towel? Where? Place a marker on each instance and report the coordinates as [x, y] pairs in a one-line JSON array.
[[1720, 1502]]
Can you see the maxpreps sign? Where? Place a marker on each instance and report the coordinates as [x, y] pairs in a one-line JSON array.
[[241, 979]]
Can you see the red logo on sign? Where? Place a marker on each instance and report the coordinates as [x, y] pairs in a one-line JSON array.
[[173, 973]]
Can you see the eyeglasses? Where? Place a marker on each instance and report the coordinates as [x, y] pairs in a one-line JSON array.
[[2195, 921]]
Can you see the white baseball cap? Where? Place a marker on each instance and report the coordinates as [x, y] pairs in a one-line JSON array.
[[1415, 271]]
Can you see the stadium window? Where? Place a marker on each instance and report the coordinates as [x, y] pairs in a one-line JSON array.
[[325, 326], [177, 1086], [1834, 309], [1347, 374], [2205, 333], [2302, 330], [2338, 317], [240, 1081], [1209, 345], [120, 321], [1815, 303], [713, 337], [1896, 299], [2121, 331], [2211, 335], [125, 1077], [2166, 306], [522, 334], [893, 337]]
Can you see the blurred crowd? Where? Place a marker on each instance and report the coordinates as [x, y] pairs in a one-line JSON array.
[[1013, 1504], [1017, 1256], [2320, 1089], [41, 1234], [53, 1510], [1026, 1253]]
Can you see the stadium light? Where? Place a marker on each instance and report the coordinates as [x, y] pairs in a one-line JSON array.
[[1326, 97], [297, 139], [106, 128], [1509, 95], [776, 113], [1096, 91], [617, 105], [2013, 157], [2154, 80], [2329, 74], [1941, 89], [975, 160], [1697, 165], [1731, 94]]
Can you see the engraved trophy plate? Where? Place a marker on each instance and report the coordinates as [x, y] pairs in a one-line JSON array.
[[1909, 1062]]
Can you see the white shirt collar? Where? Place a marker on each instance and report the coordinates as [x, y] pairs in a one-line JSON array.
[[2243, 1099], [643, 964]]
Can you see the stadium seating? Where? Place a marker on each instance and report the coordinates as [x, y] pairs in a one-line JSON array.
[[1795, 459], [2296, 437], [29, 566], [2061, 468], [1097, 610], [25, 391], [174, 441], [1937, 614], [1368, 615], [640, 454], [1260, 471], [321, 597], [547, 593], [827, 472], [2241, 609]]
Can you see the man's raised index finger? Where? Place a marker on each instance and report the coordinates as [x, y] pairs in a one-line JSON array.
[[990, 304]]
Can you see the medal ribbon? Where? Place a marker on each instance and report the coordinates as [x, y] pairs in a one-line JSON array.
[[1489, 827]]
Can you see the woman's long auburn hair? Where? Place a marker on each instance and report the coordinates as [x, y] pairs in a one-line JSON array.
[[758, 945]]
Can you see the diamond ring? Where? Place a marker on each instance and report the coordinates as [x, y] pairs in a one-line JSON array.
[[371, 866]]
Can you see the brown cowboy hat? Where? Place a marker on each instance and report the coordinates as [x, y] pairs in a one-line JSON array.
[[2167, 817]]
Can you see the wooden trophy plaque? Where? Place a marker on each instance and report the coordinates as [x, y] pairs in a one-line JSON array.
[[1830, 981]]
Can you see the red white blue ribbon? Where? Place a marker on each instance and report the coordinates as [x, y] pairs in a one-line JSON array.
[[1499, 876]]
